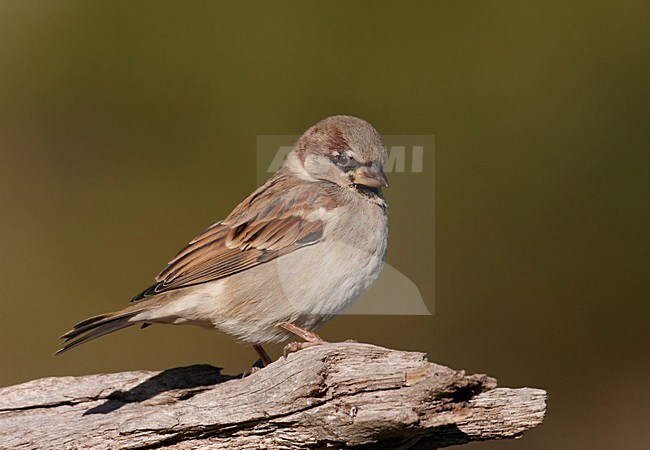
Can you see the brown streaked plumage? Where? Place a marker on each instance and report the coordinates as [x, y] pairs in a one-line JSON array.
[[264, 226], [294, 253]]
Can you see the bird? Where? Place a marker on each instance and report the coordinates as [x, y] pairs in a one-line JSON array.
[[294, 254]]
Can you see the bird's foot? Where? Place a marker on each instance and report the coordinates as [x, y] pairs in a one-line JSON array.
[[312, 338], [251, 371], [295, 346], [259, 365]]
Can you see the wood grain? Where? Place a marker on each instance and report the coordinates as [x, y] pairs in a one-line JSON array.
[[334, 395]]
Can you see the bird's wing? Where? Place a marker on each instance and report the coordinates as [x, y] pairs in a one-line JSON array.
[[280, 217]]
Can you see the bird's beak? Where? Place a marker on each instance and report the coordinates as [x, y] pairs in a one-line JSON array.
[[373, 176]]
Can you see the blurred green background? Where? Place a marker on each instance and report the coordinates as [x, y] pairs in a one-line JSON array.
[[127, 127]]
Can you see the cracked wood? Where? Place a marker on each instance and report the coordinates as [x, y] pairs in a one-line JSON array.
[[335, 395]]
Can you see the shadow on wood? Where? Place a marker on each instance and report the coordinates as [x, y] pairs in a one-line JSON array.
[[334, 395], [190, 380]]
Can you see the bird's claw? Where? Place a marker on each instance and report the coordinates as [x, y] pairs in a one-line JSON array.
[[295, 346], [251, 371]]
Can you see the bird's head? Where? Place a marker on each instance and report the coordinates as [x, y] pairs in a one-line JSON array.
[[344, 150]]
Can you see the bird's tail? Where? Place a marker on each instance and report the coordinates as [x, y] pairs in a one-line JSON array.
[[95, 327]]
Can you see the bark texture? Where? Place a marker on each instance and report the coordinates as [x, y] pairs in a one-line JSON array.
[[334, 396]]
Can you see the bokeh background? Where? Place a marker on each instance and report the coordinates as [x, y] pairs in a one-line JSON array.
[[127, 127]]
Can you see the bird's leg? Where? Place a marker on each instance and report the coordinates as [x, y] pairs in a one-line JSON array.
[[264, 361], [264, 357], [312, 338], [307, 335]]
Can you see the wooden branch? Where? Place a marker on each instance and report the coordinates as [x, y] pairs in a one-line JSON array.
[[334, 395]]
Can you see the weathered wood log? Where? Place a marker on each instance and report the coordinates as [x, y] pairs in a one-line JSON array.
[[334, 395]]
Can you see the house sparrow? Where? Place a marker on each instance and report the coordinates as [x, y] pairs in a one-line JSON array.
[[296, 252]]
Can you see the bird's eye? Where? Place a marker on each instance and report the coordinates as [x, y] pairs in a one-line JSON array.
[[342, 160], [345, 162]]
